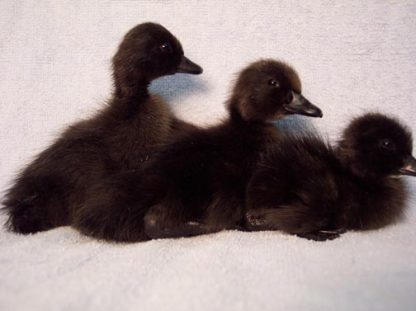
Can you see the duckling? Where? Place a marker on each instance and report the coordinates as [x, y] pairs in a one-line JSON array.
[[196, 184], [303, 186], [120, 137]]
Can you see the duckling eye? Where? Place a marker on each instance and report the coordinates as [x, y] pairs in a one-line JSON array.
[[165, 48], [387, 144], [274, 83]]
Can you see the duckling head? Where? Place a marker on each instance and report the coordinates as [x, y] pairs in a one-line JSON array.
[[375, 146], [268, 90], [147, 52]]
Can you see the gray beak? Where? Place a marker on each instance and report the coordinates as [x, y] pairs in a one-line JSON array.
[[187, 66], [409, 167], [300, 105]]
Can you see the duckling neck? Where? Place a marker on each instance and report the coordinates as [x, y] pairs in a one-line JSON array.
[[127, 99], [352, 167], [235, 116], [359, 172], [136, 87], [257, 134]]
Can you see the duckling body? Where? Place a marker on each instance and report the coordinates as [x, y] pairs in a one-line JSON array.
[[304, 186], [120, 137], [196, 184], [202, 178]]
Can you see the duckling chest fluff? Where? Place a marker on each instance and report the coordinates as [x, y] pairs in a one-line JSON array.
[[304, 187]]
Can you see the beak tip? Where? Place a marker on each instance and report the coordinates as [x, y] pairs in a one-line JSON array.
[[315, 113], [409, 167]]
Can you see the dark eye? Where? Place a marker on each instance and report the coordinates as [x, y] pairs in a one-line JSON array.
[[274, 83], [166, 47], [387, 144]]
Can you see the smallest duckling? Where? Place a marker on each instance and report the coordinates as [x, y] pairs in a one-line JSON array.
[[303, 186]]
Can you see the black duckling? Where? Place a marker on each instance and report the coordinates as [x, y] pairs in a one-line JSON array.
[[120, 137], [305, 187], [197, 183]]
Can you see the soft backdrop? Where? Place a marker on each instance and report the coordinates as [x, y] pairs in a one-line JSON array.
[[352, 56]]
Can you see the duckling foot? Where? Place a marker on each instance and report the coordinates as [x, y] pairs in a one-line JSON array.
[[322, 235], [189, 229], [158, 227], [254, 221]]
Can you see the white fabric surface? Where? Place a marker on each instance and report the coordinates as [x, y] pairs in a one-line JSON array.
[[352, 56]]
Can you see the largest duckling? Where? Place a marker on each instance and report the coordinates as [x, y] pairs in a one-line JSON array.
[[120, 137], [197, 183], [304, 186]]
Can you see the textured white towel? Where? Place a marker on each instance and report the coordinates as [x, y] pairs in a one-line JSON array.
[[352, 56]]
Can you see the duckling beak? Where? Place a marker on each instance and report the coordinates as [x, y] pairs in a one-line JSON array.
[[300, 105], [409, 167], [187, 66]]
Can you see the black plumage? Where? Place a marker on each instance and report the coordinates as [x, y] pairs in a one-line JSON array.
[[120, 137], [197, 183], [304, 186]]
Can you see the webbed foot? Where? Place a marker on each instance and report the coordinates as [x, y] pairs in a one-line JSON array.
[[322, 235]]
